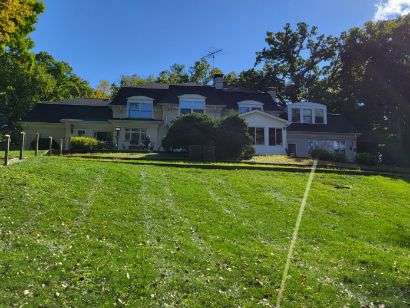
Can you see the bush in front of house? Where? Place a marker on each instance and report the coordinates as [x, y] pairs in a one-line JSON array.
[[326, 155], [321, 154], [367, 159], [191, 129], [84, 144], [232, 139], [230, 136]]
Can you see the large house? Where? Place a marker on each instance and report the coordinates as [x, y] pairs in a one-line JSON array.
[[137, 112]]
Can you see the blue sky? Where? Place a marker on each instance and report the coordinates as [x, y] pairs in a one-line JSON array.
[[104, 39]]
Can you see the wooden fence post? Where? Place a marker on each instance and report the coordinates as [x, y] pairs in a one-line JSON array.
[[61, 146], [50, 145], [22, 135], [6, 149], [37, 144]]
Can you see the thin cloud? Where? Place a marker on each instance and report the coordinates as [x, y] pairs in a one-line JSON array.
[[391, 9]]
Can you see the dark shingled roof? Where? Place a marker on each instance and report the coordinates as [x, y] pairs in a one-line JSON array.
[[335, 124], [54, 113], [169, 94]]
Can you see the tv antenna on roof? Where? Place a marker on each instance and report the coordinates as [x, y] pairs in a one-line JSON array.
[[212, 52]]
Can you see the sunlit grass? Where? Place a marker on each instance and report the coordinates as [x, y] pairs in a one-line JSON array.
[[89, 233]]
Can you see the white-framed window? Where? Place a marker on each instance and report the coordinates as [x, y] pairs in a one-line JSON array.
[[296, 115], [257, 134], [275, 136], [135, 136], [319, 116], [307, 116], [140, 110], [247, 106], [338, 146], [190, 106], [81, 132]]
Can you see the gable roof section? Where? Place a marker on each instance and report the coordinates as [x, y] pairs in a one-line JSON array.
[[54, 113], [264, 114], [335, 124], [170, 94]]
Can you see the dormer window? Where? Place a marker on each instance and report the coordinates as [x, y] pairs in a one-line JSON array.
[[307, 113], [247, 106], [187, 107], [140, 107], [319, 116], [295, 115], [307, 116], [190, 103]]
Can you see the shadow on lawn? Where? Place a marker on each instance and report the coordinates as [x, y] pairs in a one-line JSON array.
[[210, 166]]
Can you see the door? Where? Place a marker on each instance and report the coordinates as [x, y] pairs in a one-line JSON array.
[[292, 149]]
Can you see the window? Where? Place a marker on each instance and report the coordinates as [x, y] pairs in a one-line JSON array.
[[257, 134], [307, 116], [248, 109], [135, 136], [103, 136], [275, 136], [247, 106], [140, 110], [319, 116], [338, 146], [80, 132], [190, 106], [295, 115]]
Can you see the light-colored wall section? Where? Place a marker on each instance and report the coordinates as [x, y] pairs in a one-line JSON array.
[[214, 111], [301, 140], [55, 130]]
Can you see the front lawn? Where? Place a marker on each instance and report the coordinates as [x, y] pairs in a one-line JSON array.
[[80, 232]]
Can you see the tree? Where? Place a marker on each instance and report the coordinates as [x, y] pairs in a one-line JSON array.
[[374, 76], [293, 62], [135, 80], [232, 138], [66, 84], [103, 90], [191, 129], [17, 20], [175, 75]]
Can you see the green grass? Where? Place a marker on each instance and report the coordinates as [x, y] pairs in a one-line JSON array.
[[16, 154], [79, 232]]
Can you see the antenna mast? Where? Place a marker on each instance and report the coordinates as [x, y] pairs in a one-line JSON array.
[[212, 52]]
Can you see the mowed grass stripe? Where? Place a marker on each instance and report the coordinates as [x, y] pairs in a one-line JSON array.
[[190, 237]]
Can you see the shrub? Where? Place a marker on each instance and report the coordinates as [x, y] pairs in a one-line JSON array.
[[321, 154], [367, 159], [82, 144], [44, 143], [232, 139], [248, 152], [191, 129], [339, 157]]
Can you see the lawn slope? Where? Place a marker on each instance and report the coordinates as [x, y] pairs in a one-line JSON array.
[[76, 232]]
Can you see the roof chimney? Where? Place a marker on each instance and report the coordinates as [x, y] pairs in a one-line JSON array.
[[219, 81]]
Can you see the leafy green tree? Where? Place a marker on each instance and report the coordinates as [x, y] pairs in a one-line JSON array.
[[374, 76], [135, 80], [293, 62], [103, 90], [66, 84], [232, 138], [175, 75], [17, 20], [191, 129]]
